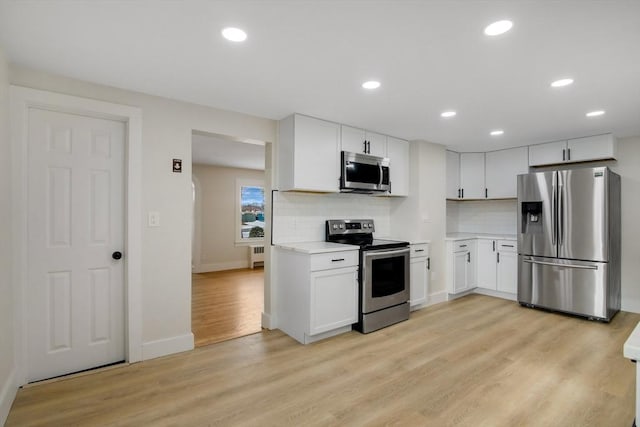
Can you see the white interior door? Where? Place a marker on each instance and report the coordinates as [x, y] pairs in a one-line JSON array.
[[75, 220]]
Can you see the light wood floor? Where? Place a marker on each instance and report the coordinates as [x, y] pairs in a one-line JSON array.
[[476, 361], [226, 304]]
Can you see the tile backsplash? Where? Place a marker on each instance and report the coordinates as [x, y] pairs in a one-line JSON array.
[[484, 216], [300, 217]]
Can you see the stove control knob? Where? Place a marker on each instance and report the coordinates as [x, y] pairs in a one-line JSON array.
[[366, 225], [335, 226], [370, 225], [341, 226]]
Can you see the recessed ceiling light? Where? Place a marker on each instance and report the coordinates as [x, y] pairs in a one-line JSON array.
[[562, 82], [498, 27], [595, 113], [496, 132], [371, 84], [234, 34], [448, 114]]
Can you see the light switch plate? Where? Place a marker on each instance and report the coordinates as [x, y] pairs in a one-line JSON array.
[[154, 219]]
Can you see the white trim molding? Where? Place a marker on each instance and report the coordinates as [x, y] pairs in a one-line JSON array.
[[22, 99], [7, 395], [436, 298], [167, 346]]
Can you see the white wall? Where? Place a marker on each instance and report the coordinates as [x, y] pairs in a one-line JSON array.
[[216, 210], [167, 128], [628, 166], [422, 215], [7, 382], [482, 216]]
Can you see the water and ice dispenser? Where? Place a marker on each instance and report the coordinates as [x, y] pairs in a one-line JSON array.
[[531, 217]]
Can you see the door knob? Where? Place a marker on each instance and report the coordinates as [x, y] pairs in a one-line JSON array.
[[116, 255]]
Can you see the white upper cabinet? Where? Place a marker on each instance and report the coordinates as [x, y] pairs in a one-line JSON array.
[[308, 154], [502, 169], [547, 154], [592, 148], [589, 148], [472, 176], [398, 154], [361, 141], [453, 175]]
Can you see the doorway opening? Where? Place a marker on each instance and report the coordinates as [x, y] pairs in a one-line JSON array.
[[229, 217]]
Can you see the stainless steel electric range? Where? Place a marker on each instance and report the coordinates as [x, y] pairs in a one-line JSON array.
[[383, 274]]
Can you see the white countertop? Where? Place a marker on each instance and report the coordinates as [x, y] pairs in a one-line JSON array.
[[632, 344], [316, 247], [464, 236]]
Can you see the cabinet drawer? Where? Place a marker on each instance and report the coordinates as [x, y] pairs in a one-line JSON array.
[[333, 260], [420, 250], [506, 245], [462, 245]]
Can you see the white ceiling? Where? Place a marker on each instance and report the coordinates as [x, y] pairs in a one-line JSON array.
[[222, 151], [311, 57]]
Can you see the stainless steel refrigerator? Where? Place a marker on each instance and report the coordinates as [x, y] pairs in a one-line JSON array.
[[569, 241]]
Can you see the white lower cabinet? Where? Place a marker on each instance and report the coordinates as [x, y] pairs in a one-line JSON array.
[[497, 265], [318, 293], [333, 299], [507, 273], [419, 265], [461, 265]]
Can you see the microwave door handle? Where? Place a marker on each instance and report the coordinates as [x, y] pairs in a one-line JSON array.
[[381, 175]]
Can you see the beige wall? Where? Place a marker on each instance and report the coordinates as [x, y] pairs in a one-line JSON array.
[[167, 127], [216, 209], [7, 387], [422, 215]]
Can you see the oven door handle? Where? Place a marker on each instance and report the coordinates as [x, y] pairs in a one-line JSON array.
[[388, 252]]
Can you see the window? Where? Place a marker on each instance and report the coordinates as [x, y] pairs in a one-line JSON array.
[[251, 212]]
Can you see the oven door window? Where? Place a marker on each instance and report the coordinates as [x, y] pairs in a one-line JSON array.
[[385, 279], [387, 276]]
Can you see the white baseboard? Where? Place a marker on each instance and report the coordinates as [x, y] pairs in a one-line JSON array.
[[436, 298], [631, 305], [268, 321], [164, 347], [497, 294], [220, 266], [7, 395]]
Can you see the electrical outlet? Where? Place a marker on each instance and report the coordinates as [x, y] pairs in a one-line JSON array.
[[154, 219]]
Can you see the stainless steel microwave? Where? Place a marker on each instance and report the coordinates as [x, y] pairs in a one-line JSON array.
[[364, 173]]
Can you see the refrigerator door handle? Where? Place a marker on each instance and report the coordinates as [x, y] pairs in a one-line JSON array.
[[553, 264], [560, 214], [554, 217]]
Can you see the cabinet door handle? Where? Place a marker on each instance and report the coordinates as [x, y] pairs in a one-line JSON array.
[[486, 193], [458, 193], [419, 250], [463, 193], [429, 263], [337, 260], [507, 246], [468, 256], [494, 246], [462, 246], [568, 153], [365, 146], [563, 152], [498, 255]]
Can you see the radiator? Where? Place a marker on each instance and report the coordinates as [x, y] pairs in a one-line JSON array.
[[256, 254]]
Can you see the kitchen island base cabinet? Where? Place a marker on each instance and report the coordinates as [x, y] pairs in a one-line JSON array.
[[318, 293]]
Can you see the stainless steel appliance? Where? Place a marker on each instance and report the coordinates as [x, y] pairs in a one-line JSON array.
[[364, 173], [569, 241], [383, 274]]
